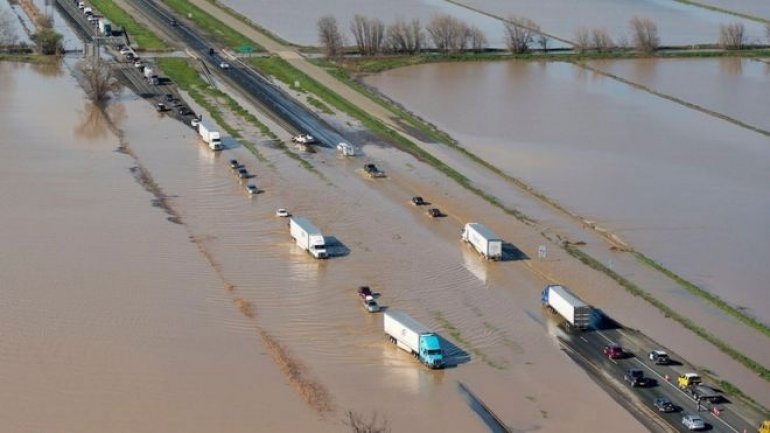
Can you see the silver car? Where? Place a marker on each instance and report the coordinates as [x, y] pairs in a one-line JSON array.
[[371, 305], [693, 422]]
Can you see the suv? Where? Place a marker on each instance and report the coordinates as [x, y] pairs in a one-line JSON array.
[[434, 213], [613, 351], [418, 201], [635, 377], [659, 357], [693, 422]]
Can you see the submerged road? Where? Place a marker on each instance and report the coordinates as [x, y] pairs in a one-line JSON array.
[[288, 112]]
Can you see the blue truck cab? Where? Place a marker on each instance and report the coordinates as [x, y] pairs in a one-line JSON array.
[[430, 351]]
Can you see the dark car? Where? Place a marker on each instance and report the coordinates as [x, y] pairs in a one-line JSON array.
[[173, 22], [663, 405], [211, 51], [613, 351], [161, 107], [635, 377], [234, 164], [365, 292], [418, 201], [169, 97], [243, 173], [434, 213]]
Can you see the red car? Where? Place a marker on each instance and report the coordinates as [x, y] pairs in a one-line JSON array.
[[613, 351]]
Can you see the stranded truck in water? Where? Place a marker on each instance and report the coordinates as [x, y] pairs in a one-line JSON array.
[[308, 237], [484, 240], [413, 337], [577, 313], [210, 135]]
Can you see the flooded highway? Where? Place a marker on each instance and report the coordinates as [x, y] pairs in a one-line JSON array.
[[683, 187]]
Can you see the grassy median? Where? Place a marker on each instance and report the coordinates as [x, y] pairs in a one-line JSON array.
[[212, 26], [144, 38]]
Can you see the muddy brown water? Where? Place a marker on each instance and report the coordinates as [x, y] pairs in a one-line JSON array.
[[678, 23], [115, 316], [685, 188], [734, 87]]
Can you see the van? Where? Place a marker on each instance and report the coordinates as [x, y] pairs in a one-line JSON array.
[[81, 5]]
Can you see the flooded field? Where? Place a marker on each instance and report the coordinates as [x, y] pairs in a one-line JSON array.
[[734, 87], [678, 23], [757, 8], [685, 188], [283, 18]]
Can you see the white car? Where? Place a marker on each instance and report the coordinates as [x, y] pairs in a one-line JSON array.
[[224, 65], [693, 422], [282, 213], [371, 305], [303, 139]]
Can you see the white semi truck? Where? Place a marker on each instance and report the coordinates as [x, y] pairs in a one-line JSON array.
[[486, 242], [308, 237], [577, 313], [413, 337], [210, 136]]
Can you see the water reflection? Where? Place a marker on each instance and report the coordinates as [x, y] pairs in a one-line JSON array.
[[731, 66]]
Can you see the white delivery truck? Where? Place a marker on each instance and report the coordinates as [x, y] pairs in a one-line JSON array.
[[308, 237], [210, 136], [105, 27], [577, 313], [346, 149], [414, 337], [483, 240]]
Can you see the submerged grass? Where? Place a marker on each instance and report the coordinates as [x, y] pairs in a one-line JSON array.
[[458, 337], [40, 59], [146, 39]]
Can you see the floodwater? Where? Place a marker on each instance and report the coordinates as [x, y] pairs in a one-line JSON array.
[[285, 19], [130, 316], [738, 88], [758, 8], [685, 188], [678, 23]]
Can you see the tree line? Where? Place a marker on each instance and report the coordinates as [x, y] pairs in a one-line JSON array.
[[447, 34]]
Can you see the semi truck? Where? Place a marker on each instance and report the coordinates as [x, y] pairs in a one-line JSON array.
[[486, 242], [308, 237], [105, 27], [151, 75], [559, 299], [346, 149], [210, 136], [413, 337]]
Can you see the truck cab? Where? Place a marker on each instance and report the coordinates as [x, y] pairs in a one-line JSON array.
[[317, 247], [688, 379], [764, 427], [430, 351]]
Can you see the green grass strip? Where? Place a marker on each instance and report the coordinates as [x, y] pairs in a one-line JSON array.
[[40, 59], [212, 26], [710, 297], [144, 38], [635, 290]]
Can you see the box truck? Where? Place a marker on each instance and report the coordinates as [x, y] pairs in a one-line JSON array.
[[210, 136], [105, 27], [308, 237], [413, 337], [559, 299], [486, 242]]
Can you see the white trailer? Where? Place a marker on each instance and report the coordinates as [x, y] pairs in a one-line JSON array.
[[485, 241], [413, 337], [346, 149], [308, 237], [210, 136], [577, 313]]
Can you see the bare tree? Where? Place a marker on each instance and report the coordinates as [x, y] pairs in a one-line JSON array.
[[369, 34], [358, 424], [330, 36], [644, 34], [601, 40], [582, 40], [732, 36], [543, 41], [477, 40], [448, 33], [520, 33], [403, 37], [98, 79]]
